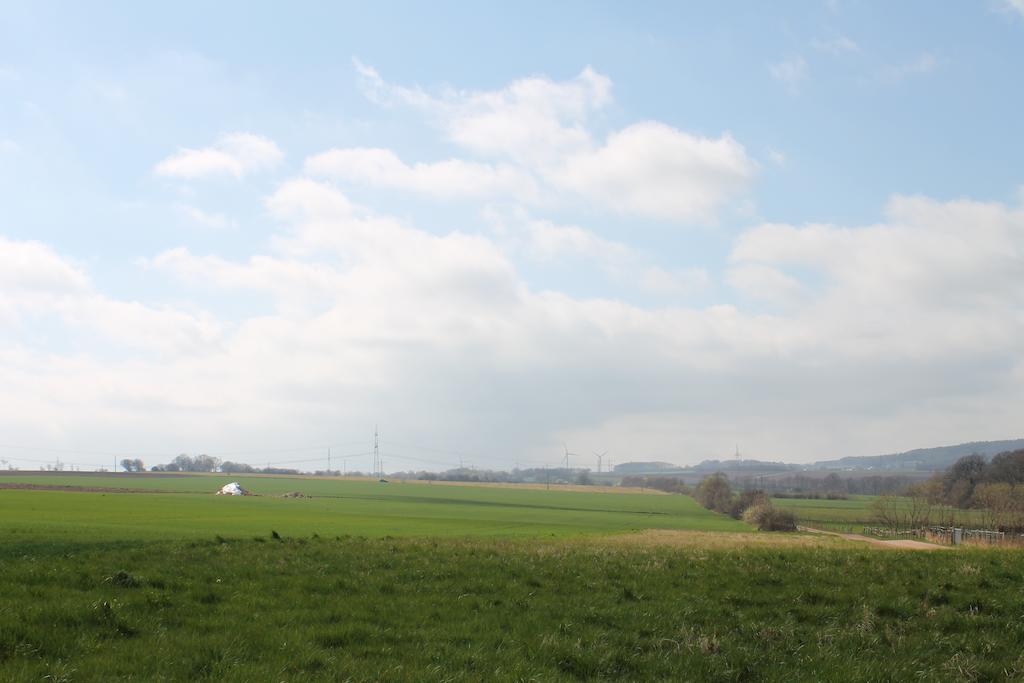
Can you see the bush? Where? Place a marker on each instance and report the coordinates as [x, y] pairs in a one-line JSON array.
[[767, 517], [746, 500]]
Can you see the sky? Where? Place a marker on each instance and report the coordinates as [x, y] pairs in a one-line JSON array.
[[660, 231]]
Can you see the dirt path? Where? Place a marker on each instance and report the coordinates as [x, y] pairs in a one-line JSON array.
[[898, 544]]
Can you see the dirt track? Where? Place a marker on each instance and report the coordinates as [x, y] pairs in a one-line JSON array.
[[899, 544]]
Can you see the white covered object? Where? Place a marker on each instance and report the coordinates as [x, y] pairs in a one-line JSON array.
[[232, 489]]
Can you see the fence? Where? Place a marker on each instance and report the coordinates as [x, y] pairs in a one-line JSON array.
[[950, 535]]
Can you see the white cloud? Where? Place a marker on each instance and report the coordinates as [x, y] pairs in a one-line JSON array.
[[790, 72], [234, 154], [549, 241], [934, 279], [679, 281], [532, 120], [836, 46], [207, 219], [903, 332], [546, 242], [541, 127], [1014, 6], [923, 64], [654, 170], [34, 267], [36, 283], [450, 179], [764, 282]]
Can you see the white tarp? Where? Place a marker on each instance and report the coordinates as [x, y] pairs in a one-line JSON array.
[[232, 489]]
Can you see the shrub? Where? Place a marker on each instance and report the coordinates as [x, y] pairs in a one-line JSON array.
[[767, 517], [746, 500]]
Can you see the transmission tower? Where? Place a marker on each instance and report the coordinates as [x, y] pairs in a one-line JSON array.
[[377, 465]]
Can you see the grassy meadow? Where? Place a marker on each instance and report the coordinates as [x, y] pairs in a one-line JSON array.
[[508, 610], [420, 582]]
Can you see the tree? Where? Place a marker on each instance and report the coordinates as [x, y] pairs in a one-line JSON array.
[[1006, 468], [962, 477], [919, 511], [714, 493], [886, 511]]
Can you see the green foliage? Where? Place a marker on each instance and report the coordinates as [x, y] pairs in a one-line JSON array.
[[468, 610]]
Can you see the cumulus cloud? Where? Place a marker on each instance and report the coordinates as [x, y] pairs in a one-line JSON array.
[[449, 179], [38, 284], [34, 267], [532, 120], [233, 154], [654, 170], [935, 278], [542, 129], [901, 332], [550, 243]]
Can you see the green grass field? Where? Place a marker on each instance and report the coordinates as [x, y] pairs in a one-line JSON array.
[[419, 582], [505, 610], [366, 508]]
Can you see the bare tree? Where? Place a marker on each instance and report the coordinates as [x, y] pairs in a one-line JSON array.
[[886, 511]]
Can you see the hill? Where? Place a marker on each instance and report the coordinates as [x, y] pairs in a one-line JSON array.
[[922, 459]]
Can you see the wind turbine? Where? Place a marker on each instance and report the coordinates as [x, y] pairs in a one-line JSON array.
[[567, 454], [599, 458]]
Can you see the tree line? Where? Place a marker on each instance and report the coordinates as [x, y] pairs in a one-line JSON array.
[[204, 463], [993, 488]]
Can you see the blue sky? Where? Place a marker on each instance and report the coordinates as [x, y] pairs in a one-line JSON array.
[[655, 230]]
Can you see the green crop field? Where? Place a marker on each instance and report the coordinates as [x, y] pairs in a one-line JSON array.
[[351, 507], [418, 582]]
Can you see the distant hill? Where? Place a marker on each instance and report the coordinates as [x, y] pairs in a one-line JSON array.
[[759, 466], [919, 459], [922, 459], [646, 467]]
